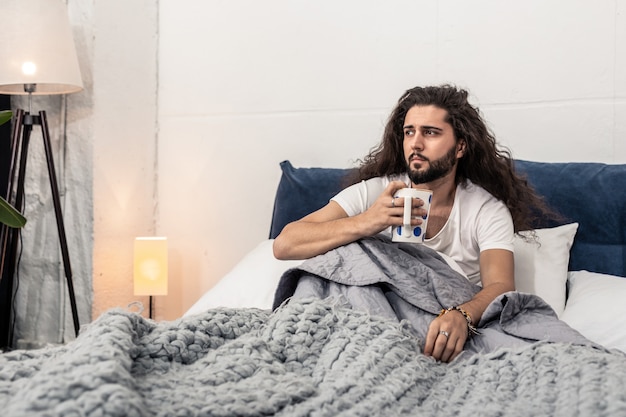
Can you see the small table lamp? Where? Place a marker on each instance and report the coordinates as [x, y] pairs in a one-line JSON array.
[[150, 267], [38, 58]]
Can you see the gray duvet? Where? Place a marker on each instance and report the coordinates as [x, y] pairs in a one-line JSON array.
[[412, 282]]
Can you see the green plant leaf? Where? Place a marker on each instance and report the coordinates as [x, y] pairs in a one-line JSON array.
[[5, 116], [10, 216]]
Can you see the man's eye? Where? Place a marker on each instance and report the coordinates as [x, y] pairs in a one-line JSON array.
[[430, 132], [409, 132]]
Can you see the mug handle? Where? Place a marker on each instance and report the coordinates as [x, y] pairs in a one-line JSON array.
[[406, 219]]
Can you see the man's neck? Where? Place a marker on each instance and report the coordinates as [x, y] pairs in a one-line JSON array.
[[444, 189]]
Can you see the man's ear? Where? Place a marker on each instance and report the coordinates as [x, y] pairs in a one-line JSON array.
[[460, 148]]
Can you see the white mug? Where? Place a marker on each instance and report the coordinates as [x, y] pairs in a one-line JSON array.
[[406, 232]]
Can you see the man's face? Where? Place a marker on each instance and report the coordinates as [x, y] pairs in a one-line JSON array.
[[430, 149]]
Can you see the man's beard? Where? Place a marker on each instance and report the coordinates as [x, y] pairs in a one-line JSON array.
[[436, 169]]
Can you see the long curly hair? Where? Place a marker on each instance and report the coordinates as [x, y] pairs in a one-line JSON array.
[[484, 162]]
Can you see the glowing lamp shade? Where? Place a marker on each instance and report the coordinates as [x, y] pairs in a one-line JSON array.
[[150, 266], [37, 48]]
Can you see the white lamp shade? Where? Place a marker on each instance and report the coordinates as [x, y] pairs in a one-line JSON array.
[[37, 47], [150, 266]]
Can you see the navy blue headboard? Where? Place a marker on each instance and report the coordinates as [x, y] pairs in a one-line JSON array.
[[600, 243]]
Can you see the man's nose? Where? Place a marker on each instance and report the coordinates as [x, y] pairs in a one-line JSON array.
[[417, 142]]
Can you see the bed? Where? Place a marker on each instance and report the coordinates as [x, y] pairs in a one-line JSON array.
[[232, 355]]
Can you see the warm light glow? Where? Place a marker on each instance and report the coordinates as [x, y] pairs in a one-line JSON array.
[[29, 68], [150, 266]]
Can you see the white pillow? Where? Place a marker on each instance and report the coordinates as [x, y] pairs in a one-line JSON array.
[[541, 266], [595, 307], [251, 282]]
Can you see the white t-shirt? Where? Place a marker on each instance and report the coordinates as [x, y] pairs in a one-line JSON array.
[[478, 221]]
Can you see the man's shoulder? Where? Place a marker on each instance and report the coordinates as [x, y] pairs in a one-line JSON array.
[[469, 192]]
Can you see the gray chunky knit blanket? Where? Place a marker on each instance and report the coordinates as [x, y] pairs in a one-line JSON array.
[[308, 358]]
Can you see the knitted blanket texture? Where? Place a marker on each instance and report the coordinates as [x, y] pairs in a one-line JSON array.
[[308, 358]]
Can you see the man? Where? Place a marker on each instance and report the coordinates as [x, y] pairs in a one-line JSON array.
[[433, 140]]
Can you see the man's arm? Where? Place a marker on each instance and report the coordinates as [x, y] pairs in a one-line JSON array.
[[330, 226], [497, 277], [317, 233]]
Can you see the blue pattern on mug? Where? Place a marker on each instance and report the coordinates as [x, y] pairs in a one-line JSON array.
[[430, 198]]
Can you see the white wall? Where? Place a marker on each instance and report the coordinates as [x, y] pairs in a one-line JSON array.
[[189, 106], [125, 67], [243, 85]]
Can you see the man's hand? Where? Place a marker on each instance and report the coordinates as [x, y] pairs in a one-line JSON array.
[[388, 211], [446, 336]]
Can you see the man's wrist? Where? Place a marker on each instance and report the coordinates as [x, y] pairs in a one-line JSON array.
[[471, 329]]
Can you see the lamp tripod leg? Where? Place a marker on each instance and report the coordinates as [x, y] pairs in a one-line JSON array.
[[59, 218]]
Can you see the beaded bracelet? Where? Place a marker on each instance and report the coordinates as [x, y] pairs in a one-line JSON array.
[[471, 329]]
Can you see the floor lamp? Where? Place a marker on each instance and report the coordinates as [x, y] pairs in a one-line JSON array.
[[38, 58]]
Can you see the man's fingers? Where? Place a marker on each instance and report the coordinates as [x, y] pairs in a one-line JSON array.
[[394, 186]]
